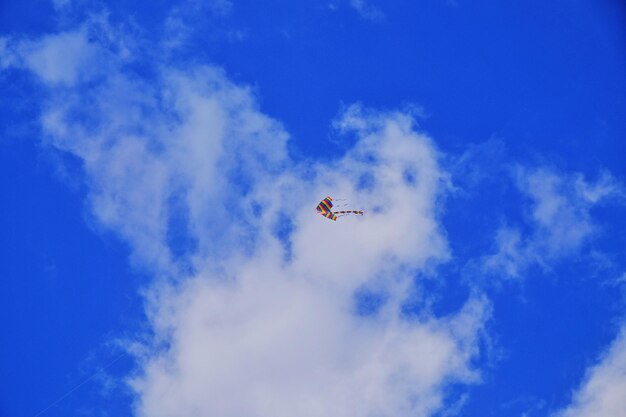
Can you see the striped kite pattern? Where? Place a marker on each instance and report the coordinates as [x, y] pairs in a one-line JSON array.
[[325, 209]]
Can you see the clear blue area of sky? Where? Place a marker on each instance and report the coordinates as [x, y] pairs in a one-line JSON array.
[[545, 82]]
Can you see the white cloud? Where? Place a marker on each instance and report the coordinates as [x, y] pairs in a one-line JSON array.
[[186, 16], [142, 147], [278, 345], [559, 219], [602, 391], [62, 58], [605, 187], [61, 4], [367, 10], [6, 55], [560, 214], [250, 321], [71, 57], [511, 254]]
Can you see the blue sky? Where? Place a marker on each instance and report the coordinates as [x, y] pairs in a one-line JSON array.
[[159, 169]]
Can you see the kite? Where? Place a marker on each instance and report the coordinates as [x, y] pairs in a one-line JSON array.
[[325, 209]]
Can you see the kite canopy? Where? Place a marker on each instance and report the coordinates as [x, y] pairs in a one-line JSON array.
[[325, 209]]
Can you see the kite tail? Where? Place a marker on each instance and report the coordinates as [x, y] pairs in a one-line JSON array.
[[344, 212]]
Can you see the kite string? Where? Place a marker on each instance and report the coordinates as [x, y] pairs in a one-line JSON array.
[[62, 397]]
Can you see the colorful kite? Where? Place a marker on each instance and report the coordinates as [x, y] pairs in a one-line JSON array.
[[325, 209]]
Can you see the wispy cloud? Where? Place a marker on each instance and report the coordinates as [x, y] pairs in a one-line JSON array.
[[187, 16], [602, 391], [78, 55], [558, 217], [61, 4], [367, 10]]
